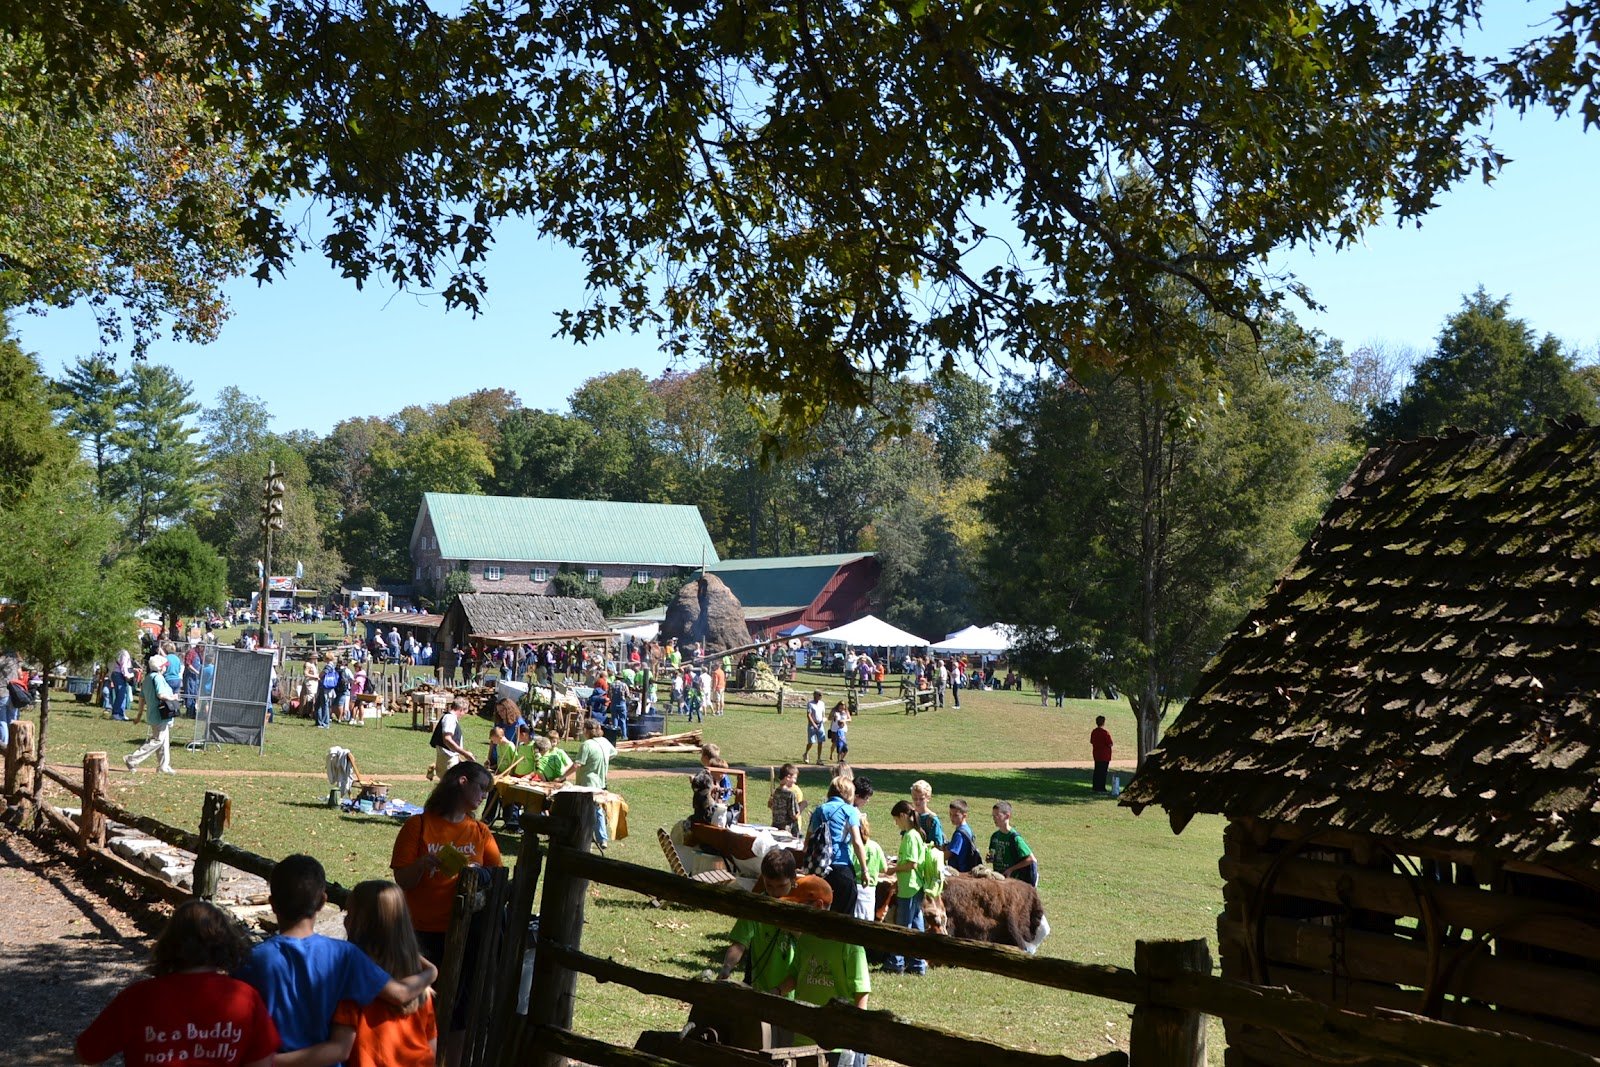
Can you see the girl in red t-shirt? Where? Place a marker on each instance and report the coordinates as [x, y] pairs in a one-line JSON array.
[[190, 1011], [380, 1035]]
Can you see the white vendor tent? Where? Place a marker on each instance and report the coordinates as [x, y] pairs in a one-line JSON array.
[[981, 640], [642, 632], [870, 631]]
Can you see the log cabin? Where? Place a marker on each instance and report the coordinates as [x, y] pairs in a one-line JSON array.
[[1404, 740]]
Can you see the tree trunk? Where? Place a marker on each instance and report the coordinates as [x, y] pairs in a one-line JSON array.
[[1147, 713], [44, 724]]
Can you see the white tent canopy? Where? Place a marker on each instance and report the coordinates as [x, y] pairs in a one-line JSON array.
[[869, 631], [982, 640], [643, 632]]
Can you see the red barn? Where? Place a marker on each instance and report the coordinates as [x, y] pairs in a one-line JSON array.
[[816, 591]]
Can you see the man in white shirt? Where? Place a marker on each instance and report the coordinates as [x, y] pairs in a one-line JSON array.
[[816, 716]]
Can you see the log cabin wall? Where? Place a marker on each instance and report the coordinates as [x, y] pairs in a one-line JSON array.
[[1368, 922]]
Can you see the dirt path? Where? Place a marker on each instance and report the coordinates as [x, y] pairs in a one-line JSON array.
[[67, 946]]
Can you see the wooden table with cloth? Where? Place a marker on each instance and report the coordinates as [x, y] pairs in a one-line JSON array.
[[534, 797]]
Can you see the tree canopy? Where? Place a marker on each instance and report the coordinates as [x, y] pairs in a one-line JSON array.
[[1489, 374], [1130, 531], [181, 575], [820, 196]]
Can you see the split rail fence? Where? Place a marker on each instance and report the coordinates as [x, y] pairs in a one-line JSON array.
[[538, 958]]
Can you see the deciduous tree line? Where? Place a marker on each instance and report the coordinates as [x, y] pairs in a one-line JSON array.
[[1122, 522]]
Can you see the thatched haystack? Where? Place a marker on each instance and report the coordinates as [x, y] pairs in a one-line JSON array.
[[706, 611]]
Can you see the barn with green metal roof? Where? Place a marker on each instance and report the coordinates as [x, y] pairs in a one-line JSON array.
[[519, 544]]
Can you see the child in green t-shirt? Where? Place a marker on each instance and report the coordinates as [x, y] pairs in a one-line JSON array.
[[908, 884], [766, 951], [877, 863], [1009, 854], [826, 970], [550, 762]]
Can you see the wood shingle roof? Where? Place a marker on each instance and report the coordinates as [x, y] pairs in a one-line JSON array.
[[1429, 667]]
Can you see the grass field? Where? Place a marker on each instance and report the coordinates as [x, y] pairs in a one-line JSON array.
[[1108, 877]]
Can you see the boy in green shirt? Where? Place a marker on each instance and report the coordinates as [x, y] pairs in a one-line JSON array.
[[825, 970], [766, 951], [908, 884], [1009, 854], [549, 761]]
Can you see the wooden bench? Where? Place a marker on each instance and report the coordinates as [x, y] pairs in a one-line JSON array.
[[678, 862]]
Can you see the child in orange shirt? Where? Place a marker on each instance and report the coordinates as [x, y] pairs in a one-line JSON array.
[[380, 1035]]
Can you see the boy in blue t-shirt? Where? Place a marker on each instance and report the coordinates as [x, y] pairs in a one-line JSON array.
[[961, 852], [302, 975]]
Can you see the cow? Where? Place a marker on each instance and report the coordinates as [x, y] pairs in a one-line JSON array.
[[1002, 911]]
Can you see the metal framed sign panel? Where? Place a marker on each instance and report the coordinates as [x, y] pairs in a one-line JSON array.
[[235, 694]]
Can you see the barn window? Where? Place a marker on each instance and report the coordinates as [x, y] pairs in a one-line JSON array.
[[492, 574], [541, 574], [593, 575], [641, 577]]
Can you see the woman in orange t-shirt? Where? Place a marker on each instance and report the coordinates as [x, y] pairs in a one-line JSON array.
[[433, 850], [381, 1035]]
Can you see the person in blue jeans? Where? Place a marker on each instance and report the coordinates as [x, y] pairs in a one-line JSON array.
[[906, 869], [121, 686], [8, 710]]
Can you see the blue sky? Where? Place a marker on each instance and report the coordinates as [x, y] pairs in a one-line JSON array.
[[316, 350]]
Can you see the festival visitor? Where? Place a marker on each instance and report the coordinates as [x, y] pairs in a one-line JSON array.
[[824, 970], [849, 850], [961, 851], [446, 739], [1100, 745], [877, 862], [431, 853], [927, 820], [377, 921], [840, 726], [158, 712], [1009, 854], [766, 952], [302, 975], [907, 871], [816, 716], [190, 1010], [786, 801], [550, 762], [121, 686]]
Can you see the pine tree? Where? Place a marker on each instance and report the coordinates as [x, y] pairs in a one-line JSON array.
[[157, 480], [88, 398]]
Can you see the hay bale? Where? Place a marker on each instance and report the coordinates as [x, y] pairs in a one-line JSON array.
[[705, 611]]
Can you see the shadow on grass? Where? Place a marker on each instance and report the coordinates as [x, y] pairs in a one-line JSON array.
[[1043, 786]]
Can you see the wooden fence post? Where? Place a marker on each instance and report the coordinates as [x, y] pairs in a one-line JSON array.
[[555, 987], [213, 820], [91, 824], [19, 760], [503, 1018], [780, 698], [1163, 1036]]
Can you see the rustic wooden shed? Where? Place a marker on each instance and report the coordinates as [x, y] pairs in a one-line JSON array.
[[1405, 741], [516, 618]]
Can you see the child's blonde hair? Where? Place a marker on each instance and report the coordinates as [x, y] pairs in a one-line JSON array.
[[377, 921], [920, 787]]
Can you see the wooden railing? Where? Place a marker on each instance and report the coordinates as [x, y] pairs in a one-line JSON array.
[[1170, 987]]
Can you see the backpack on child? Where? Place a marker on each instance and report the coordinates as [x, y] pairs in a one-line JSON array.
[[330, 676], [820, 849]]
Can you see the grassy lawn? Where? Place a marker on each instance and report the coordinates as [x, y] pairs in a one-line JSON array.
[[1108, 878]]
